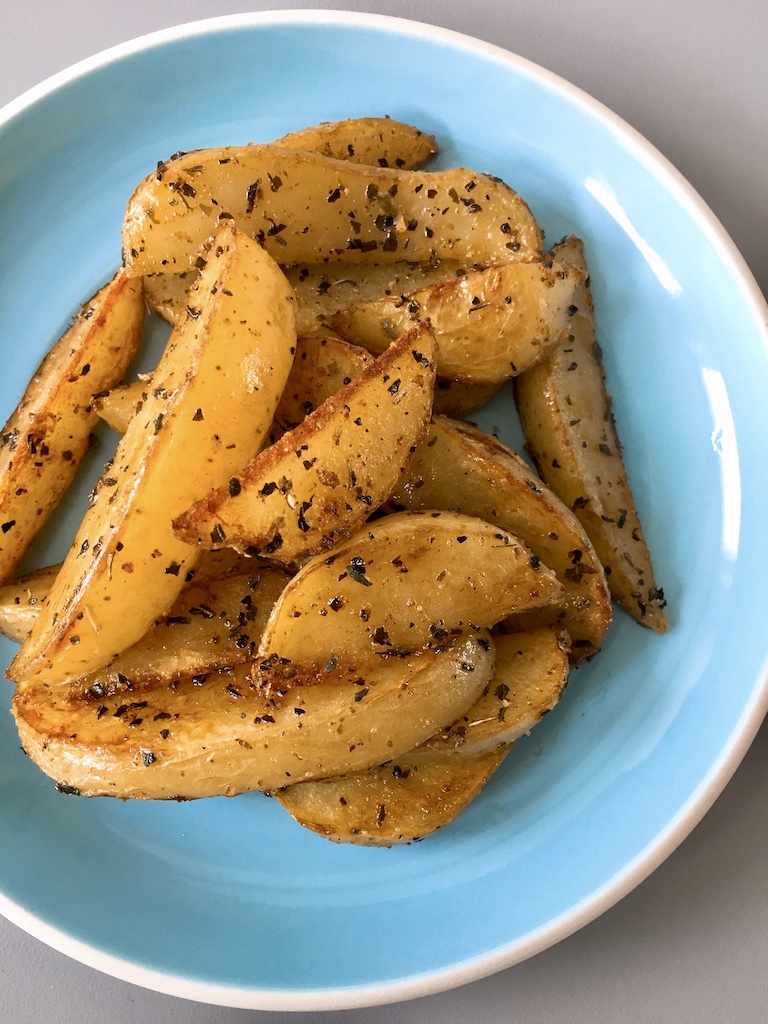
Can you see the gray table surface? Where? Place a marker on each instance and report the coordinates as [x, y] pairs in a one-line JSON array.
[[690, 944]]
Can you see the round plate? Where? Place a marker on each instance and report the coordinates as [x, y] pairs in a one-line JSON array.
[[227, 900]]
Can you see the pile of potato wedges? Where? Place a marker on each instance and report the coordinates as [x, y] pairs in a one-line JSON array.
[[303, 571]]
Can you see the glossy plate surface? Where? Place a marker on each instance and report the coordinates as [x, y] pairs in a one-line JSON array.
[[228, 901]]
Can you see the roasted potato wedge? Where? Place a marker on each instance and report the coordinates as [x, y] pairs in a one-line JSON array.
[[215, 623], [226, 736], [325, 289], [118, 405], [306, 208], [397, 803], [489, 324], [46, 437], [405, 800], [460, 467], [322, 366], [566, 414], [531, 673], [167, 294], [322, 480], [403, 581], [321, 289], [126, 566], [380, 141]]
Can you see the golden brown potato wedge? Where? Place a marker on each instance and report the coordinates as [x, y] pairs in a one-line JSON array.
[[460, 467], [322, 289], [489, 324], [226, 736], [397, 803], [570, 432], [118, 405], [200, 423], [381, 141], [322, 366], [531, 674], [321, 481], [46, 437], [405, 800], [215, 623], [403, 581], [166, 294], [306, 208]]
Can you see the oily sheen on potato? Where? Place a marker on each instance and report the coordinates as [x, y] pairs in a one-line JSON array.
[[227, 736], [321, 367], [378, 141], [216, 622], [400, 802], [200, 423], [458, 466], [489, 324]]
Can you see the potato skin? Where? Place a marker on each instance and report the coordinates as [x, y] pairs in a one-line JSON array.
[[425, 789], [324, 364], [532, 670], [567, 417], [380, 141], [402, 582], [400, 802], [21, 599], [297, 204], [216, 622], [321, 289], [489, 324]]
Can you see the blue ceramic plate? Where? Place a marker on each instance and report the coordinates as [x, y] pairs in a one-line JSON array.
[[228, 901]]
